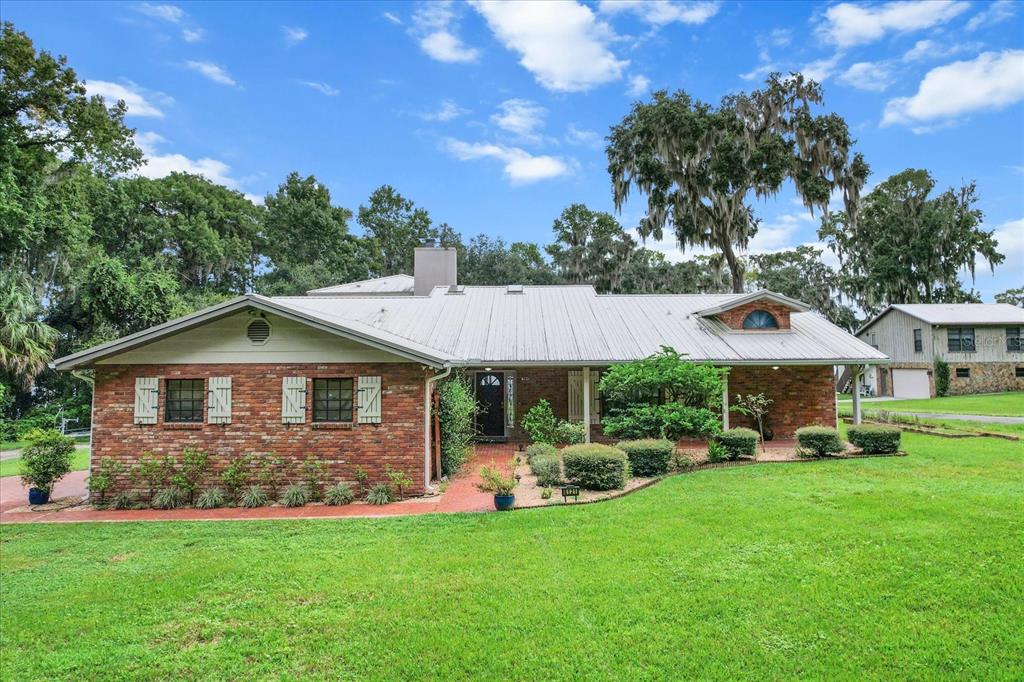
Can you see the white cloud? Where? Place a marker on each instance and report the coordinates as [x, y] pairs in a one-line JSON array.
[[132, 95], [822, 68], [521, 167], [663, 12], [766, 67], [520, 117], [993, 80], [582, 136], [996, 13], [562, 43], [848, 24], [293, 35], [159, 165], [930, 49], [447, 111], [323, 88], [436, 28], [212, 71], [171, 13], [638, 86], [192, 35], [393, 18], [780, 37], [778, 234], [873, 76], [1010, 236]]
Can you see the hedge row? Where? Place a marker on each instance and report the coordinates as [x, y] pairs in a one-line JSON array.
[[874, 440], [648, 456], [595, 467]]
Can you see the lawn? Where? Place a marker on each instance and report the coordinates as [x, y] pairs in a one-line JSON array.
[[12, 467], [852, 569], [994, 404]]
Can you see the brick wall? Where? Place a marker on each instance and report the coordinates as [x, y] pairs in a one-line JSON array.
[[802, 395], [734, 318], [256, 420]]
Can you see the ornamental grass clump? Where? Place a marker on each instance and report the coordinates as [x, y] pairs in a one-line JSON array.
[[738, 442], [875, 440], [595, 467], [338, 495], [213, 498], [648, 456], [818, 441], [295, 495], [547, 469], [254, 496], [169, 498], [379, 494]]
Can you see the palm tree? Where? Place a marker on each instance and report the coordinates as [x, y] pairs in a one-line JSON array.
[[26, 343]]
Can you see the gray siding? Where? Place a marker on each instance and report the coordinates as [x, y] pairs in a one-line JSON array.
[[894, 336], [990, 344]]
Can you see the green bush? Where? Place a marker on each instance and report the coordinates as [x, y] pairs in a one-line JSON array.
[[717, 452], [398, 480], [547, 469], [595, 467], [819, 441], [313, 477], [648, 457], [540, 450], [541, 424], [254, 496], [457, 410], [168, 498], [669, 420], [941, 377], [188, 475], [875, 440], [46, 459], [570, 433], [663, 377], [295, 495], [338, 495], [122, 500], [379, 494], [104, 478], [211, 498], [738, 442], [237, 476]]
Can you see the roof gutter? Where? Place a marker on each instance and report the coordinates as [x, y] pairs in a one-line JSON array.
[[427, 393]]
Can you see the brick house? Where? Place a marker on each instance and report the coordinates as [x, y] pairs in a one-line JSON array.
[[347, 373], [983, 344]]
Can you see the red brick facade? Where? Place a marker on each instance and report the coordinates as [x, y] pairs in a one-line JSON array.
[[802, 395], [734, 317], [256, 420]]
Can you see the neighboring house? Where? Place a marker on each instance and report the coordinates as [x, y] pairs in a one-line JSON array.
[[983, 343], [349, 378]]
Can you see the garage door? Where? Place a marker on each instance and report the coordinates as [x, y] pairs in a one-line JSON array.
[[910, 383]]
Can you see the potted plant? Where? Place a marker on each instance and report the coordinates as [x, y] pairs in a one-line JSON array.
[[502, 486], [44, 462]]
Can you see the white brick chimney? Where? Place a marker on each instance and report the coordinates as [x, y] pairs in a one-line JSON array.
[[434, 266]]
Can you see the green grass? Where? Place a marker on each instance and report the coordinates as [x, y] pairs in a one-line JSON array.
[[950, 425], [993, 404], [840, 569], [12, 467]]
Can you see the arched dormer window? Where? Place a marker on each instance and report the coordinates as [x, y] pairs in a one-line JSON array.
[[760, 319]]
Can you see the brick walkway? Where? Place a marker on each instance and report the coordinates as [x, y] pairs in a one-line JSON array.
[[461, 495]]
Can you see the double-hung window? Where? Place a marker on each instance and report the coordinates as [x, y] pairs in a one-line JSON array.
[[184, 401], [960, 339], [918, 341], [332, 400], [1014, 342]]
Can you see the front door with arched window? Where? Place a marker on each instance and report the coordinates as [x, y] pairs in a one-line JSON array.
[[490, 420]]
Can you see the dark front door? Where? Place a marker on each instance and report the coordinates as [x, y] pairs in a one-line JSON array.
[[490, 421]]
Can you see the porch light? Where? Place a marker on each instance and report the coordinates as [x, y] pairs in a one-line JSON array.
[[775, 366], [487, 369]]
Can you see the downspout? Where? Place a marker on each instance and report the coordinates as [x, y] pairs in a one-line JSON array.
[[428, 389]]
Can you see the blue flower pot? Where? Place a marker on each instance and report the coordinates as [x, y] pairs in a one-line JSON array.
[[37, 496], [504, 502]]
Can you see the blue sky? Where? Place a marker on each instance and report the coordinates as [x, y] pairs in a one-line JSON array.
[[492, 116]]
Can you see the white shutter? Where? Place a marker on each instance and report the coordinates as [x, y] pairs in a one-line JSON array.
[[369, 400], [219, 400], [147, 396], [575, 395], [595, 398], [293, 400]]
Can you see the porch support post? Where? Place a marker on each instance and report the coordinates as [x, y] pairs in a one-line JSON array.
[[725, 401], [586, 404], [856, 371]]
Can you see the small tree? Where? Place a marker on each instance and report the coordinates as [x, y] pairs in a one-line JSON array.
[[313, 477], [152, 472], [399, 480], [941, 377], [755, 407], [190, 473], [237, 476], [46, 459]]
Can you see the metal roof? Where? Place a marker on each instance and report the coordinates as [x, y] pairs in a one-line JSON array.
[[543, 325], [392, 284], [957, 313]]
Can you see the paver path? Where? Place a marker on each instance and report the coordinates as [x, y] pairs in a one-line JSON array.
[[461, 496]]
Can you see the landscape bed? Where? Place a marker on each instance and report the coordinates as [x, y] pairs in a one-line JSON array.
[[841, 569]]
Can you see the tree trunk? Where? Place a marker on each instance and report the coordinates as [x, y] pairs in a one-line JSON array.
[[735, 267]]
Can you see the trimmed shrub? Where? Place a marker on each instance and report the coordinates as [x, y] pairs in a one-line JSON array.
[[547, 469], [168, 498], [717, 452], [295, 496], [820, 441], [379, 494], [540, 450], [739, 442], [211, 498], [649, 456], [338, 495], [595, 467], [875, 440], [254, 496]]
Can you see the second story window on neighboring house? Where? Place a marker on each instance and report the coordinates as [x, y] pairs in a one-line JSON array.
[[963, 372], [960, 339], [1014, 342], [918, 341]]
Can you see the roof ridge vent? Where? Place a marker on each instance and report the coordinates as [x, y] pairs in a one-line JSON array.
[[456, 289], [514, 289]]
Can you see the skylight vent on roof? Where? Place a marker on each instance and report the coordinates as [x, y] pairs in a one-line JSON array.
[[456, 289], [514, 289]]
